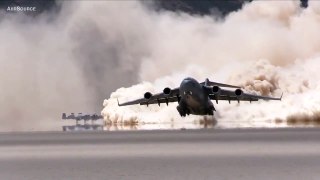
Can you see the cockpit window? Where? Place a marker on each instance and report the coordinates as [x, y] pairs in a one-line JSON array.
[[187, 92]]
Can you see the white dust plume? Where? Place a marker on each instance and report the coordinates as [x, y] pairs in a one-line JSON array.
[[267, 47], [67, 60], [70, 60]]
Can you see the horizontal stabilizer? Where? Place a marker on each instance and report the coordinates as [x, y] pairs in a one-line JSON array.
[[210, 83]]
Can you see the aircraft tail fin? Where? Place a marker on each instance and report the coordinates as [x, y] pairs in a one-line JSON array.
[[281, 96], [206, 82], [64, 116]]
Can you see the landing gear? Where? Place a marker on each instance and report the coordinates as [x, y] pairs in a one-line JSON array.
[[211, 112], [181, 111]]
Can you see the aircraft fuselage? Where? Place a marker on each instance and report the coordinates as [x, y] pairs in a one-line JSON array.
[[194, 99]]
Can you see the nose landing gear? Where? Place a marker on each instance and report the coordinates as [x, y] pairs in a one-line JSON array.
[[183, 111]]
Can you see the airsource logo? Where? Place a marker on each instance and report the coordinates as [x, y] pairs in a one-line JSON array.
[[21, 9]]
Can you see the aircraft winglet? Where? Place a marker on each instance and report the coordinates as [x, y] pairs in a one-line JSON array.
[[281, 96]]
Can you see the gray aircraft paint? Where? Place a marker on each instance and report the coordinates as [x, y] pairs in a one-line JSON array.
[[195, 98]]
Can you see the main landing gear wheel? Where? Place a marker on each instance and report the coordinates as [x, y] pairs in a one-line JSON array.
[[210, 112], [181, 111]]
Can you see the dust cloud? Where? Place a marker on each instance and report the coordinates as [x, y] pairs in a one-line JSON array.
[[67, 61], [71, 60], [267, 47]]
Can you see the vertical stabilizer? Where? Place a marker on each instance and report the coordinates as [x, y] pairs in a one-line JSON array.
[[206, 82]]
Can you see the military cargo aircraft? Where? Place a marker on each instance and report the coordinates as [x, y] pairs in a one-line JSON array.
[[82, 127], [195, 98], [80, 116]]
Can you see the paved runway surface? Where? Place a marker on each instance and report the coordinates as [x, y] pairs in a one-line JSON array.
[[188, 154]]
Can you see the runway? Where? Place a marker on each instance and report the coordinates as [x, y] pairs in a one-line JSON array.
[[181, 154]]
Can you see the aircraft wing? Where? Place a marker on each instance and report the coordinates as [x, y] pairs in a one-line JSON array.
[[228, 95], [159, 101], [159, 98]]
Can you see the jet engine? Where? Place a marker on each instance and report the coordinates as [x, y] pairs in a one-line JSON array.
[[147, 95], [238, 92], [166, 91], [216, 90]]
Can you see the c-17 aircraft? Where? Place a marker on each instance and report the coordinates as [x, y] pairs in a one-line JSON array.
[[80, 116], [195, 98]]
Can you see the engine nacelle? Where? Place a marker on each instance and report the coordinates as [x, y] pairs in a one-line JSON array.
[[216, 90], [147, 95], [166, 91], [238, 92]]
